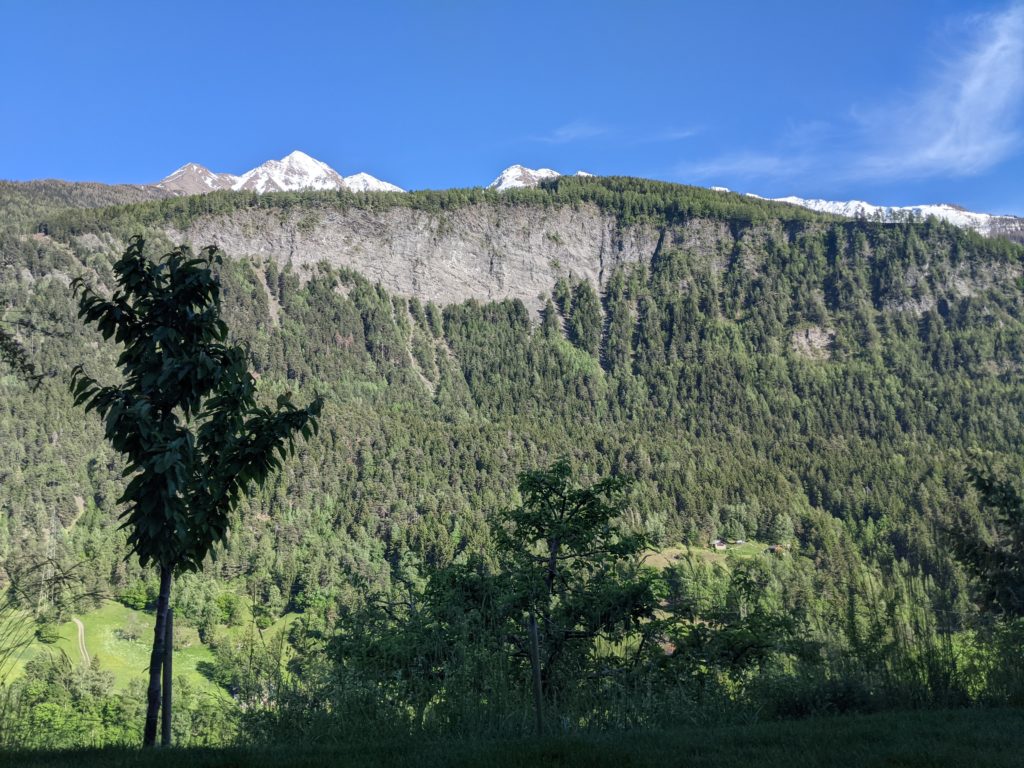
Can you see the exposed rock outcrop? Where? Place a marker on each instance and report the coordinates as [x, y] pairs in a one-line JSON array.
[[483, 251], [489, 251]]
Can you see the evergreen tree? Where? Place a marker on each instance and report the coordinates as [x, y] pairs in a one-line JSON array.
[[585, 318]]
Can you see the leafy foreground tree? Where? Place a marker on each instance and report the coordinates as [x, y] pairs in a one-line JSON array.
[[574, 570], [185, 416], [560, 611]]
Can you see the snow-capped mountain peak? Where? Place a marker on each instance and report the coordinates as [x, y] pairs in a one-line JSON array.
[[292, 172], [195, 179], [518, 176], [364, 182], [191, 169]]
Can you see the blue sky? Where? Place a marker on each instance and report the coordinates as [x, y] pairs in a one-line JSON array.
[[892, 102]]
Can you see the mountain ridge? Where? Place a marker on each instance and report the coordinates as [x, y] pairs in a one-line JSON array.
[[298, 171], [983, 223], [294, 172], [459, 245]]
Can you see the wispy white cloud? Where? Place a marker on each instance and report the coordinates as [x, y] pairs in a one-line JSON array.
[[574, 131], [967, 120], [964, 121]]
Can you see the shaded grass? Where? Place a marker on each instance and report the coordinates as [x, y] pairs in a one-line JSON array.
[[914, 740]]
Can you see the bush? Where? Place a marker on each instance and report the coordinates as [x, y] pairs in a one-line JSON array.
[[47, 632], [138, 595]]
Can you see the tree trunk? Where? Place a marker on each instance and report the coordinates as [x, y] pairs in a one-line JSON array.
[[156, 659], [165, 724], [538, 691]]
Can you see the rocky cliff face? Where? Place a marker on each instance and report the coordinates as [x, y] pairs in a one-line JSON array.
[[492, 252], [483, 252], [1010, 227]]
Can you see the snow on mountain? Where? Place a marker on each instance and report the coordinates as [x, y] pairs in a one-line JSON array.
[[293, 172], [296, 171], [1011, 227], [364, 182], [981, 222], [517, 176], [195, 179]]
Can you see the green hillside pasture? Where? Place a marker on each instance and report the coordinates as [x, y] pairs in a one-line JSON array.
[[960, 738], [662, 558], [107, 638]]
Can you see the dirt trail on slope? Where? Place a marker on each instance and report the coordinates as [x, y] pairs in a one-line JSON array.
[[81, 640]]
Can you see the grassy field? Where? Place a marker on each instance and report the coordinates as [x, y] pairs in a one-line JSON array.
[[128, 659], [960, 739], [662, 558], [107, 630]]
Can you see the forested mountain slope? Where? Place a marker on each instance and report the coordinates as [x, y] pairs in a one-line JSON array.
[[451, 246], [23, 203], [762, 370]]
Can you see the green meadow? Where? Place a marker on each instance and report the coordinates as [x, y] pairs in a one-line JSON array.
[[119, 639]]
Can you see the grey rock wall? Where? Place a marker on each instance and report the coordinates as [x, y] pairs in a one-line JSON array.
[[485, 252], [491, 252]]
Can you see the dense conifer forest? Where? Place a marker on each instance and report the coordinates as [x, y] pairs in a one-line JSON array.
[[816, 405]]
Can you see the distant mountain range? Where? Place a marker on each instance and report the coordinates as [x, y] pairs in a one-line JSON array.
[[300, 171], [289, 174], [984, 223]]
